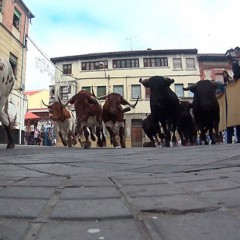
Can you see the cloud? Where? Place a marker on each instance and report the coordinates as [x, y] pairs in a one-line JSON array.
[[79, 27]]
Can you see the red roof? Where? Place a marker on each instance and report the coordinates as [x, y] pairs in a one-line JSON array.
[[32, 92], [30, 115]]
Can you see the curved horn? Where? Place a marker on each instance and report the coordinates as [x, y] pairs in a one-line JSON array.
[[45, 104], [93, 93], [68, 101], [133, 105], [144, 82], [59, 100], [102, 97], [170, 81], [190, 87]]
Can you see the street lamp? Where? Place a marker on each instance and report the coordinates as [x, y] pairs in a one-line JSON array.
[[102, 65]]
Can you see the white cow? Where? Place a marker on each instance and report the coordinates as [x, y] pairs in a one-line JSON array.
[[65, 120], [7, 80]]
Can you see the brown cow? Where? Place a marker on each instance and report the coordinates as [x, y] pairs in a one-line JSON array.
[[113, 114], [88, 113], [66, 121]]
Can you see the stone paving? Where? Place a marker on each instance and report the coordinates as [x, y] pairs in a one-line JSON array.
[[178, 193]]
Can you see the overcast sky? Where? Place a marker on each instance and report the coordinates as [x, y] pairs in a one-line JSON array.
[[63, 28]]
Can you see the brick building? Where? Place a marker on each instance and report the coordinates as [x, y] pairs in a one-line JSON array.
[[14, 24]]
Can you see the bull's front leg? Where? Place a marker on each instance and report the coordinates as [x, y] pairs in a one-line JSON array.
[[167, 135], [98, 133], [174, 139], [103, 137], [64, 142], [203, 136], [211, 136], [5, 121], [86, 134], [183, 141], [92, 135], [73, 138], [69, 139], [114, 141], [121, 136], [10, 138]]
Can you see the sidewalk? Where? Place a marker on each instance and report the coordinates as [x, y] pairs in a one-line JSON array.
[[179, 193]]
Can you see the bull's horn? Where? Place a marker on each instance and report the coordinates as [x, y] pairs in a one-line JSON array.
[[144, 82], [133, 105], [93, 93], [45, 104], [103, 97], [190, 87], [69, 100], [127, 109], [59, 100], [170, 81]]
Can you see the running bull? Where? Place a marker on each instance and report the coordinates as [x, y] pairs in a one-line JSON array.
[[205, 108], [164, 105], [7, 80]]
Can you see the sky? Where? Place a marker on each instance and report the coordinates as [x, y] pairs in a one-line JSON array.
[[73, 27]]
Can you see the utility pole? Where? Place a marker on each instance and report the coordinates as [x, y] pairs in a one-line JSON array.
[[130, 40]]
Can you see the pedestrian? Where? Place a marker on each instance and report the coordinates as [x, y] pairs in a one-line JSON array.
[[36, 135]]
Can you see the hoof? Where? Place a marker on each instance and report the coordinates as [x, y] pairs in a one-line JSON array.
[[100, 143], [10, 146]]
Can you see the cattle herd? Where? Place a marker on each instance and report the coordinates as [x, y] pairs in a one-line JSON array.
[[168, 114], [89, 116]]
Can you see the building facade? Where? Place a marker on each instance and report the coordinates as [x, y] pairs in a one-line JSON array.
[[120, 72], [14, 24], [211, 66]]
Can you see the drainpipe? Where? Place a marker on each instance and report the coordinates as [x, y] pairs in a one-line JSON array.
[[21, 116], [127, 88]]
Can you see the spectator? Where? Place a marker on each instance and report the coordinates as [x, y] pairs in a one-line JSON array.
[[226, 77], [233, 58], [230, 130], [36, 136]]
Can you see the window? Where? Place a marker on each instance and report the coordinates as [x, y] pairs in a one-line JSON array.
[[86, 89], [1, 5], [67, 69], [219, 77], [155, 62], [118, 89], [190, 94], [177, 63], [101, 90], [13, 61], [190, 62], [64, 92], [135, 91], [94, 65], [126, 63], [16, 19], [179, 90]]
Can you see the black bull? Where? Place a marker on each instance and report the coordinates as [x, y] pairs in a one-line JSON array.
[[205, 108], [164, 105]]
